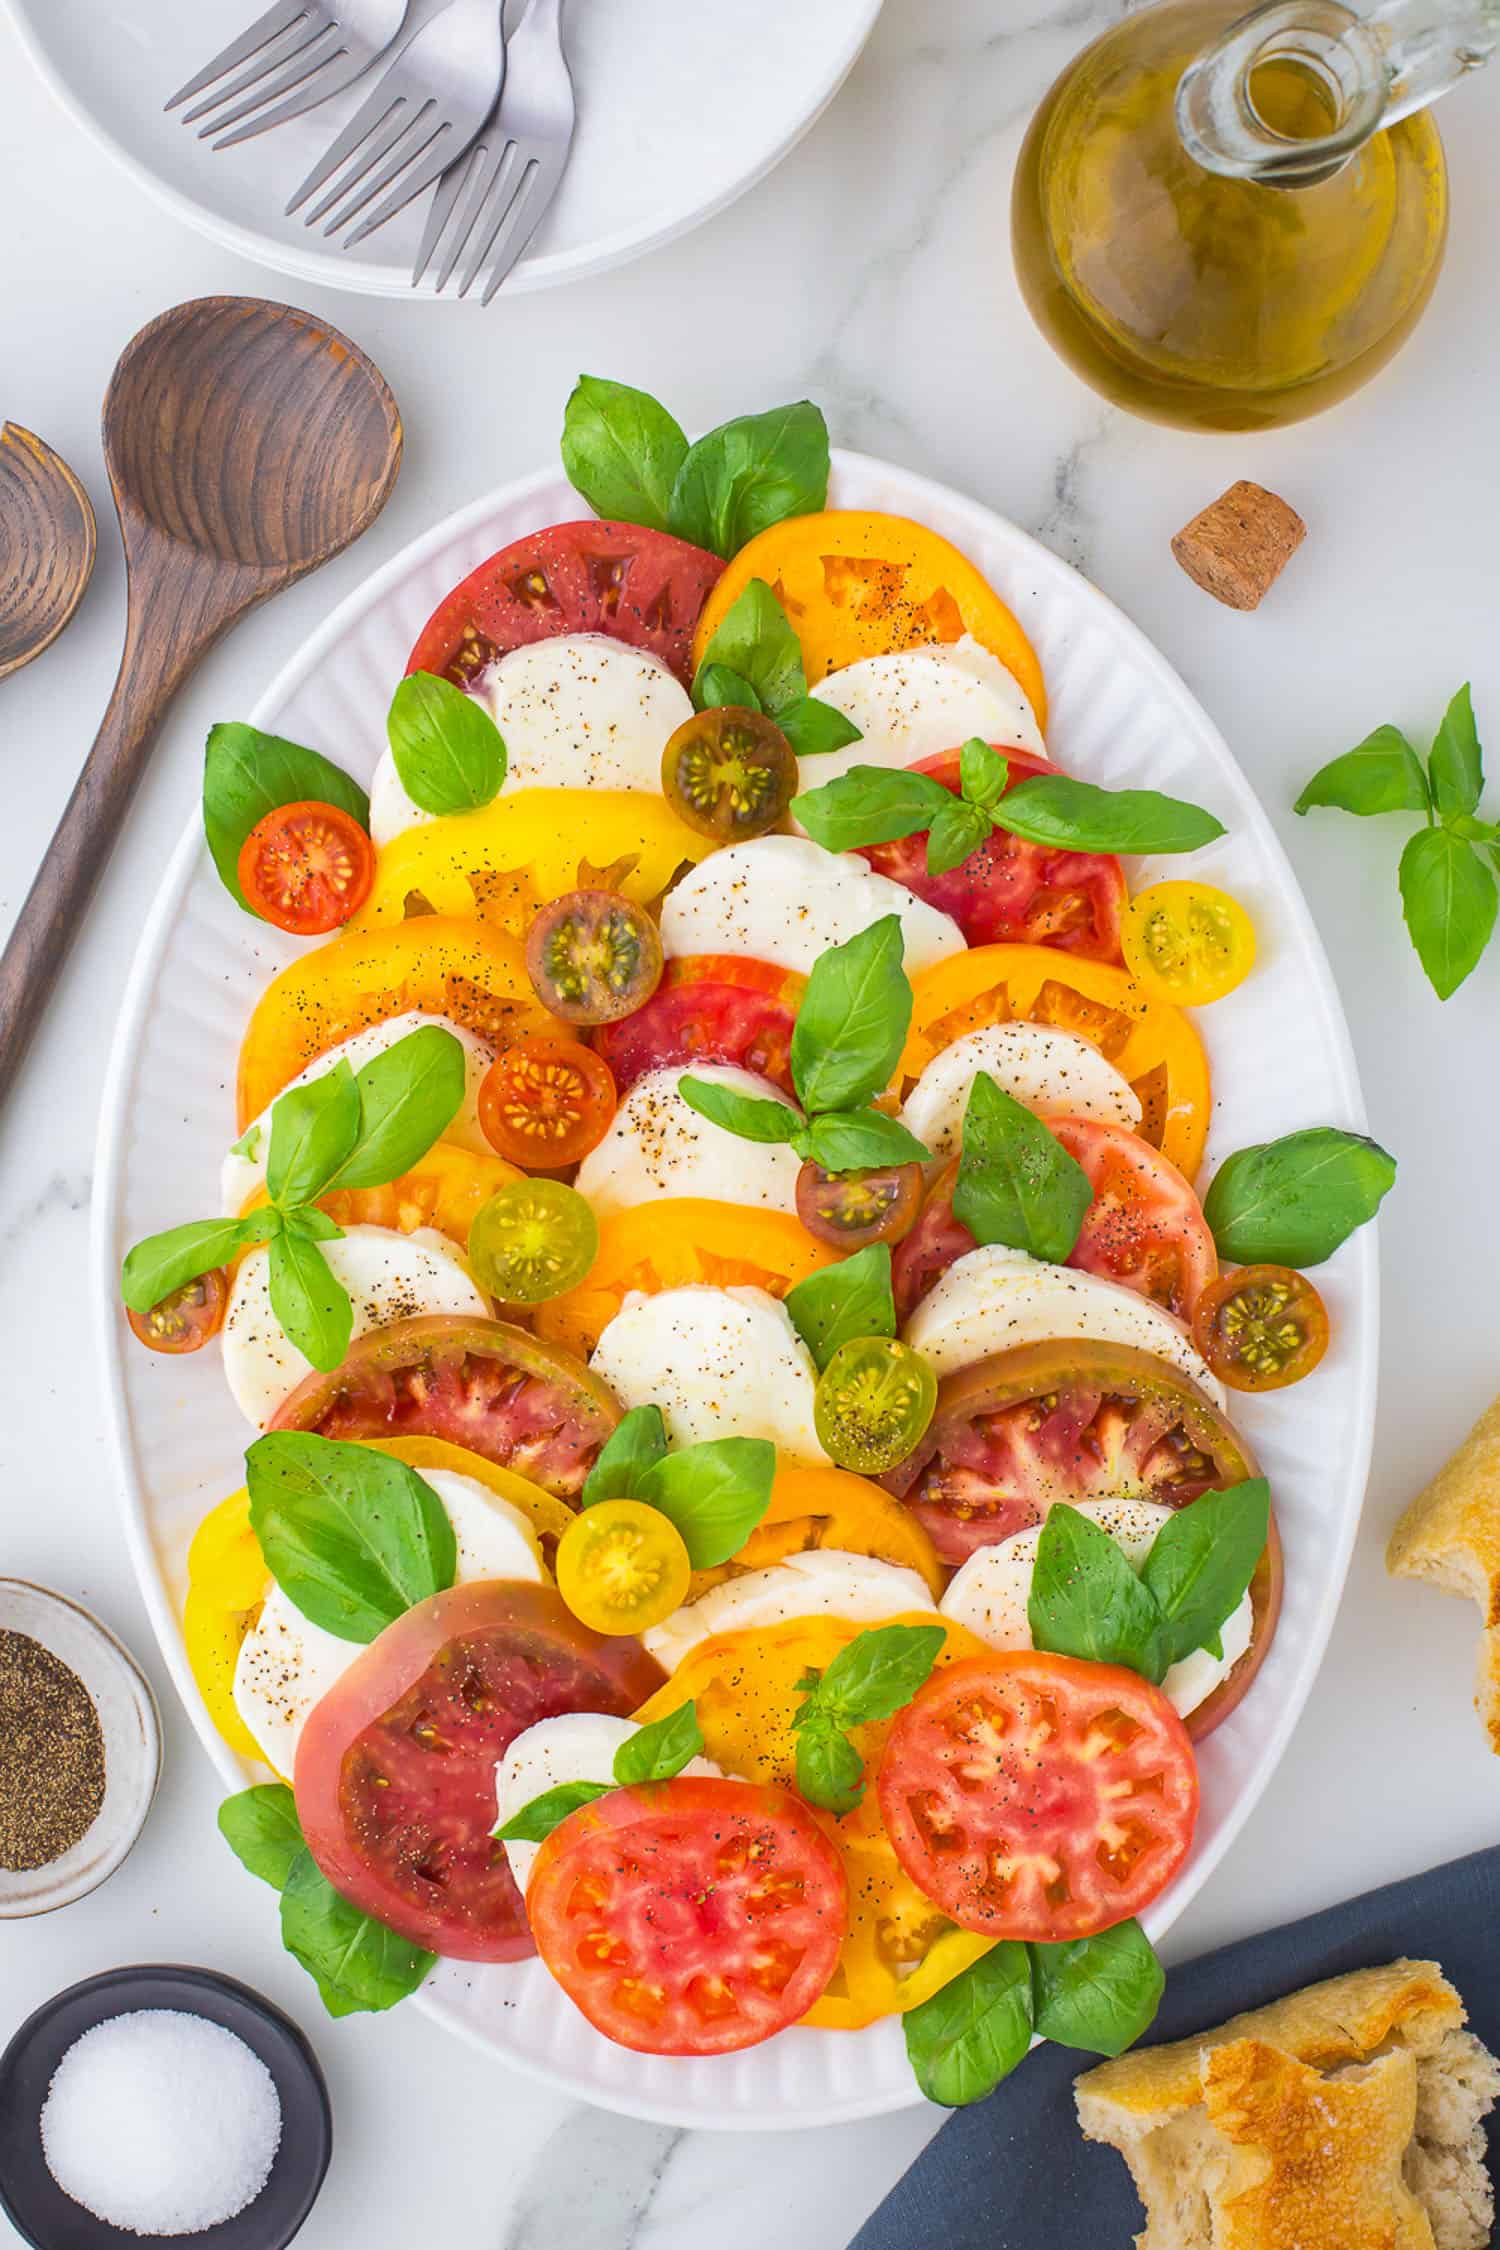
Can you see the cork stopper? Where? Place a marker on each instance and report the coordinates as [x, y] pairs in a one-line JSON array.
[[1237, 548]]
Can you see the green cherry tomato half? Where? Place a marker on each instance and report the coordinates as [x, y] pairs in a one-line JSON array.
[[729, 773], [874, 1401], [853, 1209], [593, 956], [533, 1240]]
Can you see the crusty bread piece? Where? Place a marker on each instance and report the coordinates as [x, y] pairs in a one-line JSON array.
[[1226, 2133], [1450, 1535]]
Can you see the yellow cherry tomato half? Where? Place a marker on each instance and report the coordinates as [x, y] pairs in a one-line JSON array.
[[1188, 943], [622, 1567]]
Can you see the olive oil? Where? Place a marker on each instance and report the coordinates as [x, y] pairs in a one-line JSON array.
[[1205, 300]]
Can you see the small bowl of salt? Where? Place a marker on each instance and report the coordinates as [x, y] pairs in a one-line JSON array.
[[160, 2102]]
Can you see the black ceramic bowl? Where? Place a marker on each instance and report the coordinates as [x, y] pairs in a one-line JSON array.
[[50, 2220]]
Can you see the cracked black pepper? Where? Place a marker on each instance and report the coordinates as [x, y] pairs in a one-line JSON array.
[[51, 1755]]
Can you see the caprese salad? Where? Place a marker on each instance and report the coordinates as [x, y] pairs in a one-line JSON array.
[[742, 1494]]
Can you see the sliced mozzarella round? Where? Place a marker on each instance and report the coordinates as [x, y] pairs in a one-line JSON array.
[[582, 711], [991, 1591], [657, 1145], [718, 1362], [244, 1169], [389, 1276], [575, 1746], [785, 900], [824, 1582], [994, 1298], [917, 702], [287, 1664], [1055, 1073]]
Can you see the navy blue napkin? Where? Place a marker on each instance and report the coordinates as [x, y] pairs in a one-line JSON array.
[[1015, 2173]]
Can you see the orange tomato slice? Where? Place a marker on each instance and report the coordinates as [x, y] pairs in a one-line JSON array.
[[818, 1507], [445, 1190]]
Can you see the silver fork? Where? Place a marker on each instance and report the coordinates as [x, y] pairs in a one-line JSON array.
[[492, 201], [424, 112], [298, 49]]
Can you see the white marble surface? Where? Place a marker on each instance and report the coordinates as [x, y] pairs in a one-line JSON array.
[[872, 271]]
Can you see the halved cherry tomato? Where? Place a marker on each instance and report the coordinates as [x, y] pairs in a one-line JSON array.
[[307, 868], [1008, 891], [1039, 1797], [709, 1007], [1188, 943], [395, 1778], [535, 1239], [696, 1917], [1261, 1328], [873, 1403], [593, 956], [853, 1209], [546, 1102], [729, 773], [1150, 1042], [817, 1507], [443, 1189], [186, 1320], [1145, 1227], [855, 583], [623, 1567]]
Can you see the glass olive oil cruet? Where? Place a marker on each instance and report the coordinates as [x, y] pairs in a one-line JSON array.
[[1229, 221]]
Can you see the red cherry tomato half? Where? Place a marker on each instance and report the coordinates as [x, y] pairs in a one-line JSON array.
[[1145, 1227], [546, 1102], [186, 1320], [307, 868], [593, 956], [1261, 1328], [709, 1007], [697, 1917], [851, 1209]]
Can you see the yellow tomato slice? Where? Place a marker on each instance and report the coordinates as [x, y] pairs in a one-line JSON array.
[[445, 1190], [1189, 943], [1149, 1041], [446, 967], [857, 584], [817, 1507], [669, 1244], [504, 861]]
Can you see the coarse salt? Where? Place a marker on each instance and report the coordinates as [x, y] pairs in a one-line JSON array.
[[161, 2123]]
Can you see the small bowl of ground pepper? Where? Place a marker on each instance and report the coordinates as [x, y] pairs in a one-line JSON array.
[[80, 1750]]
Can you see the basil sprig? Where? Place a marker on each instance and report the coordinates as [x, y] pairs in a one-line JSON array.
[[715, 1493], [843, 1302], [874, 1677], [1016, 1182], [754, 660], [1447, 871], [1292, 1202], [247, 774], [449, 754], [353, 1538], [358, 1965], [847, 1040], [343, 1129], [657, 1752], [1088, 1600], [632, 462]]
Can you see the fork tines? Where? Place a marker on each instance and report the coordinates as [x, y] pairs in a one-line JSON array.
[[277, 29]]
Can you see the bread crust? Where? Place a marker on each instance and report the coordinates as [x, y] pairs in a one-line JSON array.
[[1450, 1535]]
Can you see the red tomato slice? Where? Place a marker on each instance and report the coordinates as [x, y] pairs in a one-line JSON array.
[[693, 1918], [1012, 892], [1037, 1797], [395, 1778], [1145, 1227], [937, 1240], [638, 586], [307, 868], [709, 1007], [521, 1403]]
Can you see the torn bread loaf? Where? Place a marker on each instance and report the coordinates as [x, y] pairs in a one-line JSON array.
[[1450, 1535], [1345, 2117]]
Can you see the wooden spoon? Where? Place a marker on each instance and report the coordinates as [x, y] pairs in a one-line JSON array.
[[47, 544], [246, 444]]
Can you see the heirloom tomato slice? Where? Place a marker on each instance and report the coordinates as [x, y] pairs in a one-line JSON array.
[[709, 1007]]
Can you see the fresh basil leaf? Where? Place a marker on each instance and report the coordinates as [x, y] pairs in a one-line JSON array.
[[814, 727], [354, 1539], [718, 685], [1201, 1563], [974, 2031], [639, 1441], [1078, 816], [877, 1673], [449, 753], [312, 1224], [1100, 1993], [660, 1750], [716, 1494], [153, 1269], [1016, 1182], [1449, 900], [1086, 1599], [755, 640], [1455, 760], [313, 1128], [247, 774], [1292, 1202], [534, 1823], [261, 1828], [870, 805], [958, 830], [983, 773], [358, 1965], [750, 473], [248, 1144], [853, 1019], [409, 1096], [312, 1307], [830, 1771], [752, 1119], [1379, 775], [860, 1140], [840, 1303], [623, 451]]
